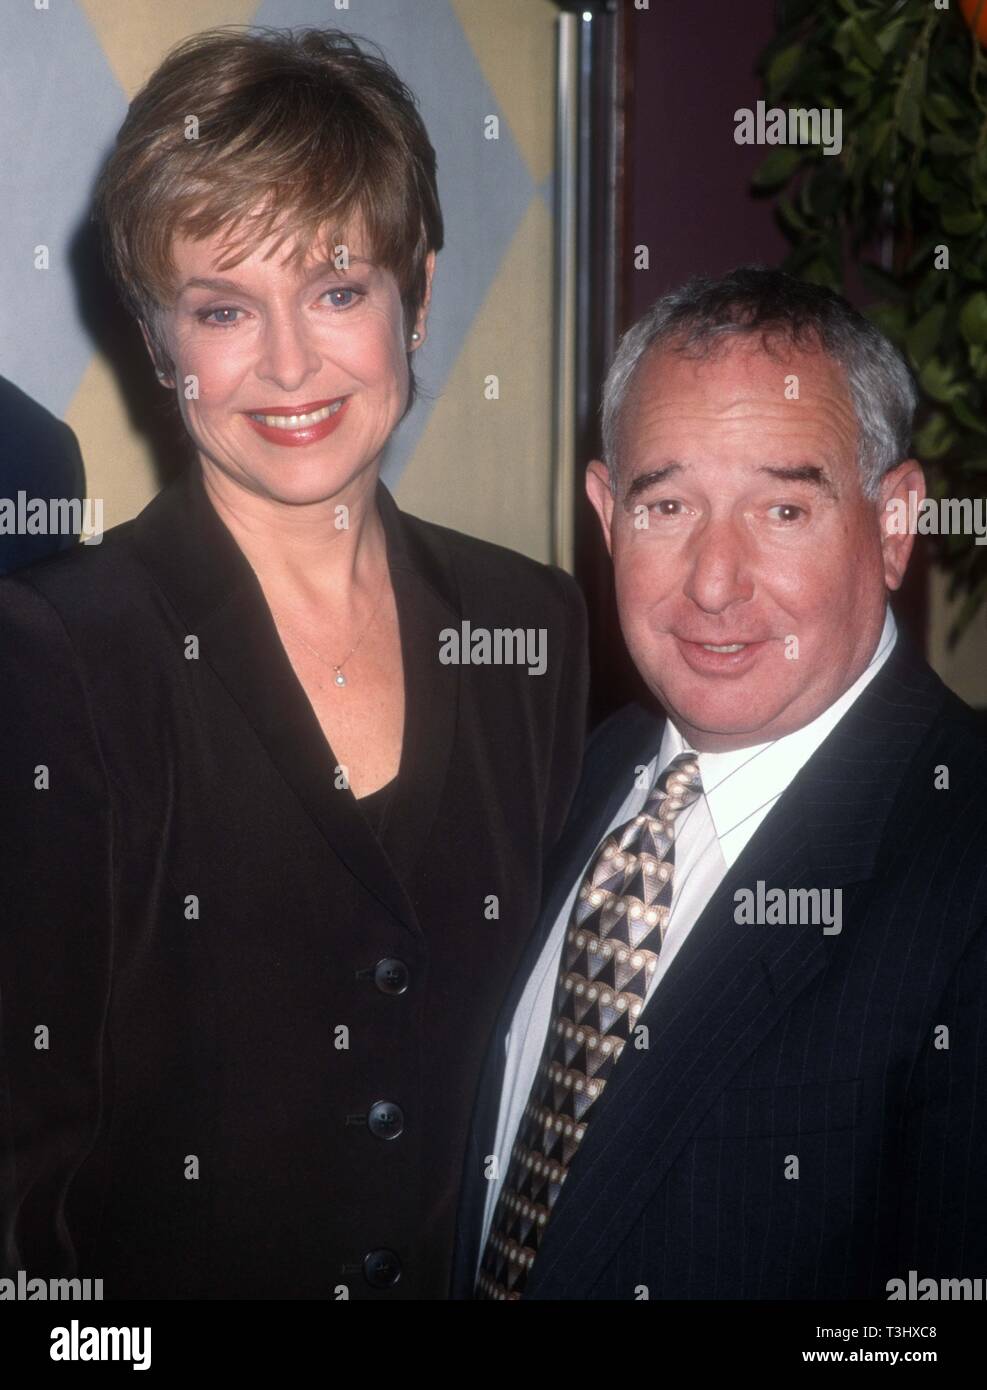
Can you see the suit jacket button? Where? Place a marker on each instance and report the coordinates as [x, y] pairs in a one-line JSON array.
[[386, 1119], [381, 1269], [391, 976]]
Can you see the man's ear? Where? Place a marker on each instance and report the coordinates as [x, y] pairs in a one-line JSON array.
[[421, 321], [160, 372], [897, 541], [598, 492]]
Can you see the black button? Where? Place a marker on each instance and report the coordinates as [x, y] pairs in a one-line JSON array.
[[382, 1269], [391, 976], [386, 1120]]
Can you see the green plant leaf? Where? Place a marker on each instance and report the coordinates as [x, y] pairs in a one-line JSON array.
[[928, 185], [973, 319], [941, 110], [791, 217], [950, 145], [887, 37], [864, 45], [936, 436], [909, 100], [778, 167], [922, 338], [938, 381], [823, 272], [891, 319], [881, 282], [782, 68], [876, 140], [961, 222], [967, 417]]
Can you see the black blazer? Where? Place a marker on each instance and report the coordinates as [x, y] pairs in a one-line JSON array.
[[771, 1041], [195, 913]]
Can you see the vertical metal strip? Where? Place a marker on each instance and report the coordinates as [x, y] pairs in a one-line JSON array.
[[566, 198]]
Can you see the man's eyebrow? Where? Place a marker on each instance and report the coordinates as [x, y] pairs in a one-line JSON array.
[[655, 475], [223, 285], [801, 473]]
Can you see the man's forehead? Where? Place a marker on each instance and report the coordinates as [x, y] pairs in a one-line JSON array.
[[773, 412], [739, 387], [749, 365]]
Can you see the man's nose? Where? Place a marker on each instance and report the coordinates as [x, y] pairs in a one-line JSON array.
[[719, 571], [288, 352]]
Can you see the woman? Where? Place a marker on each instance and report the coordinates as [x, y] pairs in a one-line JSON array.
[[272, 858]]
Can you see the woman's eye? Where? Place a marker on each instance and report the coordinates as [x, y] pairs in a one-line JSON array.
[[789, 511], [342, 298], [208, 316]]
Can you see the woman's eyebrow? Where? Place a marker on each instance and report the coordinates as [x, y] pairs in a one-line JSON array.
[[223, 285]]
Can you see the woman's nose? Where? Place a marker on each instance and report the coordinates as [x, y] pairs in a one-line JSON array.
[[288, 353]]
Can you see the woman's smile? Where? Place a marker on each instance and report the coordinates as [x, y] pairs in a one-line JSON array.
[[296, 426]]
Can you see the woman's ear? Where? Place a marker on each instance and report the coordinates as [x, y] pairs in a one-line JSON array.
[[421, 320]]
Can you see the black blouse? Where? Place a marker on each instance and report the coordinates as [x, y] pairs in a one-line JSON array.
[[374, 806]]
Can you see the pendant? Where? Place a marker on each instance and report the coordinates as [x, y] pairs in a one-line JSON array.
[[339, 678]]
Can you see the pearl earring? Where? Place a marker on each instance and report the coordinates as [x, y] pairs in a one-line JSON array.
[[416, 337]]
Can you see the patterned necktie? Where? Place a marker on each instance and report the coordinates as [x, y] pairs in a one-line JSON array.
[[615, 932]]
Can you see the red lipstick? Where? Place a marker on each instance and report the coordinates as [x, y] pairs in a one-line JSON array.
[[330, 413]]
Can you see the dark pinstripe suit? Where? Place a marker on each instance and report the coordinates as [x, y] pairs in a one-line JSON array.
[[768, 1042]]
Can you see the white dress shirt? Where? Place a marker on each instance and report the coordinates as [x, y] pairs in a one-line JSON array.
[[739, 789]]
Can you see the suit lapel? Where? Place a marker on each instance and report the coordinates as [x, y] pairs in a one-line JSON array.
[[213, 589], [730, 985]]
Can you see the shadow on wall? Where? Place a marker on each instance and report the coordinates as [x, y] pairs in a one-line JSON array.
[[151, 411]]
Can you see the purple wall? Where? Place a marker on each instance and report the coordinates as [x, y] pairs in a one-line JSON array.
[[692, 66]]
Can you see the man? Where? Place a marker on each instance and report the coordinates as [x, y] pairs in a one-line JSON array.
[[39, 456], [746, 1056]]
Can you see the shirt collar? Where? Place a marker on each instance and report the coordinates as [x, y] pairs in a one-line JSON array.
[[740, 782]]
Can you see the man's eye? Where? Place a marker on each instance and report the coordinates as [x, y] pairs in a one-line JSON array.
[[788, 511], [668, 506]]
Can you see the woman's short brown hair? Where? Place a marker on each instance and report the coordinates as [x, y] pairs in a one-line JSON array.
[[264, 132]]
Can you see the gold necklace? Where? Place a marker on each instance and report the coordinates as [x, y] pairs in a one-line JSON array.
[[337, 668]]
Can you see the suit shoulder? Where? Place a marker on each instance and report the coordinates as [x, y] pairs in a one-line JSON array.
[[964, 728], [628, 728], [83, 580]]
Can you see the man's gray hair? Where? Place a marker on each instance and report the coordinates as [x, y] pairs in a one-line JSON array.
[[753, 300]]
